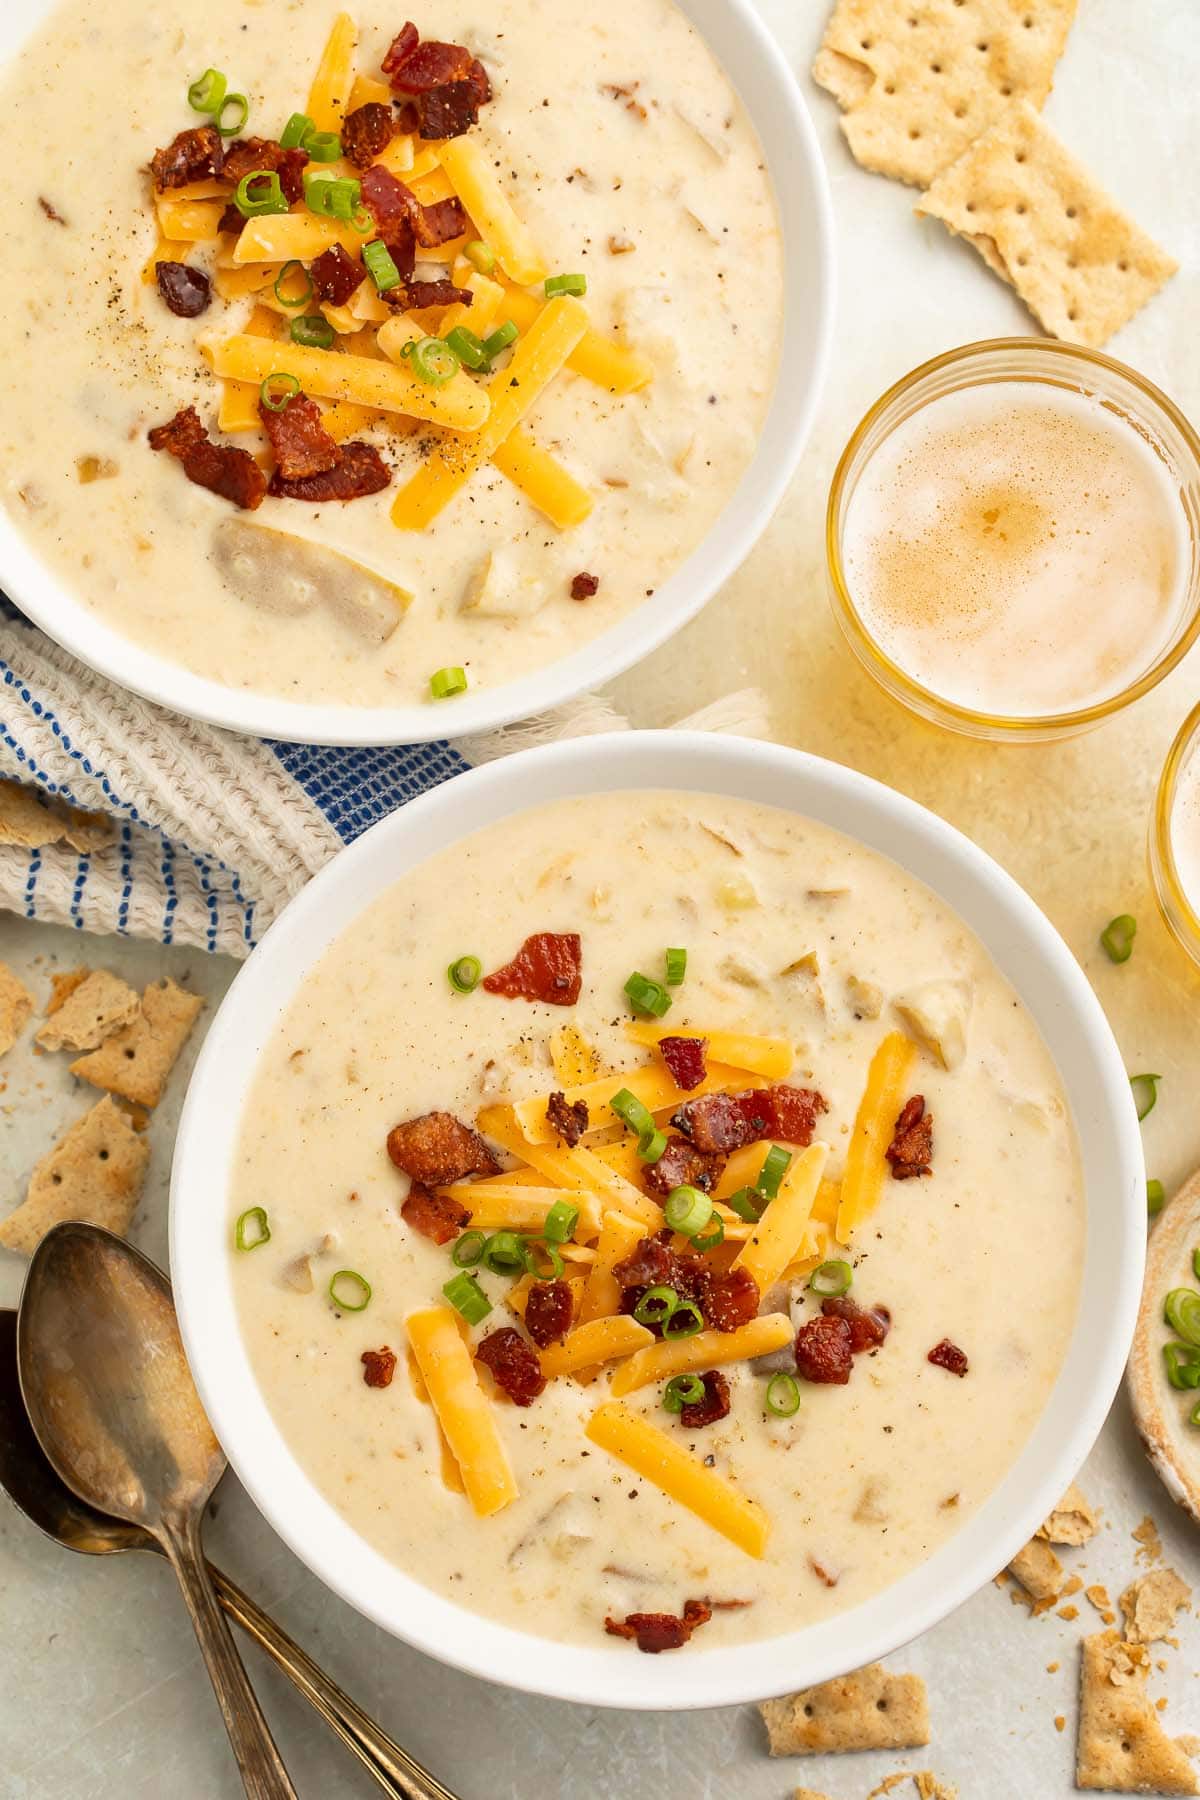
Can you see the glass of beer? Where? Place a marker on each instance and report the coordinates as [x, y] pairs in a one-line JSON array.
[[1013, 539], [1175, 836]]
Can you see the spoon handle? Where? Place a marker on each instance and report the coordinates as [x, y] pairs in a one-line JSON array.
[[397, 1773], [263, 1774]]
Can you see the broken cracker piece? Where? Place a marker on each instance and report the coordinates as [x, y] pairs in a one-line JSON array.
[[16, 1008], [866, 1710], [1148, 1541], [95, 1008], [808, 1794], [30, 820], [918, 80], [63, 986], [1073, 1520], [1121, 1745], [1039, 1571], [1040, 221], [94, 1172], [1150, 1604], [136, 1061], [925, 1786]]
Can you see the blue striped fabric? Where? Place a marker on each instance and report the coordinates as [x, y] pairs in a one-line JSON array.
[[354, 788]]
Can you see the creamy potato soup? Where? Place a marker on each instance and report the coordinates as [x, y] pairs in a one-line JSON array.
[[518, 287], [674, 1278]]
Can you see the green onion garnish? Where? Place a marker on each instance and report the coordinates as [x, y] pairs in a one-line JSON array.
[[322, 146], [681, 1391], [313, 331], [332, 196], [207, 92], [1145, 1093], [656, 1306], [287, 271], [479, 253], [649, 997], [1194, 1415], [467, 1297], [468, 1249], [651, 1145], [683, 1321], [275, 392], [531, 1249], [1183, 1365], [774, 1169], [1118, 935], [463, 974], [504, 1254], [1181, 1310], [448, 682], [380, 266], [687, 1210], [676, 961], [433, 361], [259, 193], [1196, 1264], [500, 339], [831, 1279], [561, 1221], [467, 347], [252, 1229], [783, 1395], [349, 1291], [565, 284], [631, 1111], [748, 1204], [295, 131], [712, 1238], [231, 125], [1155, 1195]]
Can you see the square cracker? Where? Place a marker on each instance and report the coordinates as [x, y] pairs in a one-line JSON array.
[[866, 1710], [94, 1172], [919, 79], [16, 1008], [1150, 1604], [1073, 1520], [1038, 1570], [93, 1009], [1039, 220], [136, 1061], [30, 821], [1121, 1745]]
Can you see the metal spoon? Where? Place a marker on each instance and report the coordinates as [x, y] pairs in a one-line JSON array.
[[33, 1486]]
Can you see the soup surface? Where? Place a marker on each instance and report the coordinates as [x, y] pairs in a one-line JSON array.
[[840, 966], [629, 160]]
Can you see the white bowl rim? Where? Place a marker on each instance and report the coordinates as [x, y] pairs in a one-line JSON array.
[[803, 360], [1014, 931]]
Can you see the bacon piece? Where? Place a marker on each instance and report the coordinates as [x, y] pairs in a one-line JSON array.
[[358, 471], [301, 443], [416, 294], [548, 966], [583, 586], [729, 1121], [221, 468], [436, 1149], [730, 1300], [687, 1059], [185, 291], [435, 1216], [726, 1301], [251, 156], [400, 49], [367, 132], [714, 1406], [682, 1164], [823, 1351], [391, 204], [652, 1263], [378, 1367], [426, 65], [911, 1149], [447, 112], [548, 1311], [231, 220], [655, 1632], [440, 221], [948, 1356], [715, 1123], [868, 1326], [195, 155], [514, 1365], [335, 276], [568, 1122]]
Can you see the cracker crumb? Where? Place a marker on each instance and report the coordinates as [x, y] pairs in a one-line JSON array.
[[16, 1008], [1073, 1520], [1068, 1612], [1149, 1543], [1150, 1604], [1060, 1723]]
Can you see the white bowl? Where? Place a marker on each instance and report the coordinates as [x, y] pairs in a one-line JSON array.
[[1028, 951], [771, 95]]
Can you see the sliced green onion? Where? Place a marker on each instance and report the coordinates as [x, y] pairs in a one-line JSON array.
[[463, 974], [433, 361], [631, 1111], [349, 1291], [322, 146], [676, 961], [565, 284], [258, 193], [467, 347], [447, 682], [656, 1306], [1155, 1195], [561, 1221], [1181, 1310], [531, 1249], [831, 1279], [275, 392], [229, 127], [315, 332], [683, 1321], [681, 1391], [481, 255], [778, 1161], [380, 266], [1194, 1415], [468, 1249], [362, 221], [252, 1229], [783, 1395], [332, 196], [1196, 1264], [1118, 935], [504, 1254], [712, 1238], [649, 997], [1183, 1365], [500, 339], [687, 1210], [467, 1297], [207, 92], [295, 131], [747, 1203], [284, 274], [651, 1145], [1145, 1093]]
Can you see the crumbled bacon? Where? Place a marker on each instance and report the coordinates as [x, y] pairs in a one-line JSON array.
[[231, 220], [583, 585], [681, 1164], [869, 1326], [195, 155], [714, 1123], [548, 1311], [726, 1300], [567, 1122], [686, 1058], [413, 295], [378, 1367], [439, 221], [367, 132], [730, 1300], [514, 1365], [335, 276], [392, 205], [652, 1263], [358, 471], [714, 1406], [254, 156], [185, 291], [435, 1216], [51, 211], [654, 1632], [548, 967], [823, 1351], [444, 84], [300, 441], [911, 1149], [224, 470], [436, 1149], [948, 1356], [400, 48], [727, 1122]]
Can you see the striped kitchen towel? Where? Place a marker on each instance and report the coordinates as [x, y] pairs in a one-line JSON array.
[[116, 815]]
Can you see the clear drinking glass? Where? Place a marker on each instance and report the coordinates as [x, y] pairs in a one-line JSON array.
[[1178, 908]]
